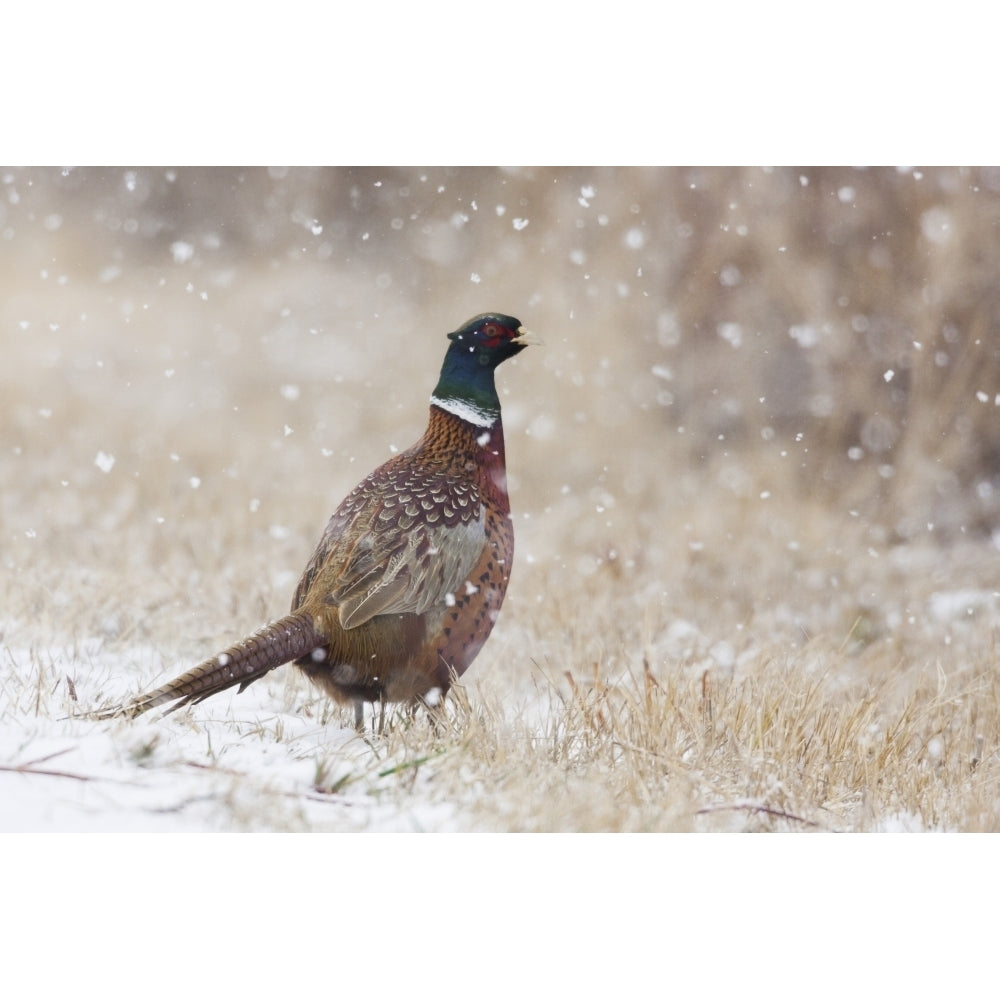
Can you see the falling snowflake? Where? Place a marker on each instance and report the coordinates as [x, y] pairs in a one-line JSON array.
[[182, 251]]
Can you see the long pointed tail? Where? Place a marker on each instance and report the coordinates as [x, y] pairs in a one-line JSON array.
[[281, 641]]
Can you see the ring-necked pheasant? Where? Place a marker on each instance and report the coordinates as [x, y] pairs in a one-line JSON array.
[[407, 581]]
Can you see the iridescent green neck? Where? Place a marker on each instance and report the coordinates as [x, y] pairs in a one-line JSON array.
[[467, 387]]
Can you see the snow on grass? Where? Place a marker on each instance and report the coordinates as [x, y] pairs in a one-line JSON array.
[[234, 764]]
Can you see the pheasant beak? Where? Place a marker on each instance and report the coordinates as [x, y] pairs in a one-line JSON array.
[[525, 338]]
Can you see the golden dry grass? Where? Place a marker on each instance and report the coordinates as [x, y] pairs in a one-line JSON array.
[[756, 579]]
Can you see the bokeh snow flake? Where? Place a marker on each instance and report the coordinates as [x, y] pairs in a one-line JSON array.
[[731, 333], [181, 251]]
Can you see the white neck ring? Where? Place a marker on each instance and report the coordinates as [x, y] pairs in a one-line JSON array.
[[465, 411]]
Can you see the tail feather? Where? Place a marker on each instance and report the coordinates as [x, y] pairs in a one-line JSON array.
[[281, 641]]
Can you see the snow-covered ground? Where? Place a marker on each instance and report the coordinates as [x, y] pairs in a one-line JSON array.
[[236, 763]]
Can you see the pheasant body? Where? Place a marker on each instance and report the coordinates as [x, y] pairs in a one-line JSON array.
[[430, 542], [408, 578]]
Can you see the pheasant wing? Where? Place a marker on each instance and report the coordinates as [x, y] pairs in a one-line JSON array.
[[399, 544]]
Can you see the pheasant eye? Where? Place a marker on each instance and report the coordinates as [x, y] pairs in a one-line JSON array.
[[493, 334]]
